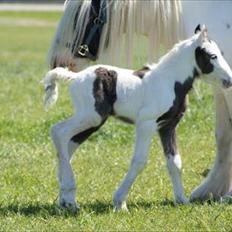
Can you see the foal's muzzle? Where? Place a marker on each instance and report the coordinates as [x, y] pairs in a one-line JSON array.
[[227, 83]]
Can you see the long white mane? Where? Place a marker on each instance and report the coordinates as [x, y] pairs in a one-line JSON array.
[[126, 22], [172, 57]]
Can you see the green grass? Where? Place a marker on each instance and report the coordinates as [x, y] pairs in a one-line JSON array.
[[28, 186]]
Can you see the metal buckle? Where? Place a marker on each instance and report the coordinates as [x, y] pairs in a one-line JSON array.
[[83, 49]]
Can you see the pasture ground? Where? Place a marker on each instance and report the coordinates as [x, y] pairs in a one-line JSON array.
[[28, 186]]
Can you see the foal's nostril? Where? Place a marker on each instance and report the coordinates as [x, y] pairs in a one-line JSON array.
[[227, 83]]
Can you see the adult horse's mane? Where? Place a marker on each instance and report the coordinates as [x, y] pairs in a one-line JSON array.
[[159, 20]]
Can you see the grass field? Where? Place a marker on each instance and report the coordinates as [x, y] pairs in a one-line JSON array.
[[28, 186]]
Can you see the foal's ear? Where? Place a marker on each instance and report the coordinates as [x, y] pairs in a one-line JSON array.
[[204, 32], [202, 29], [197, 29]]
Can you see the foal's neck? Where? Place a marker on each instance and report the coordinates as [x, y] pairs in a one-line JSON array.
[[178, 66], [187, 85]]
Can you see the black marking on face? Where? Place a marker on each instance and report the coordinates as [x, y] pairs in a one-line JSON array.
[[228, 26], [169, 120], [141, 72], [104, 91], [203, 60]]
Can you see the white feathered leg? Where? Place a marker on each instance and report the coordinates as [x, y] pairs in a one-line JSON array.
[[219, 180]]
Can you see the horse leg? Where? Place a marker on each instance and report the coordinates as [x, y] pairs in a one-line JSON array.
[[80, 137], [168, 140], [65, 136], [219, 180], [144, 132]]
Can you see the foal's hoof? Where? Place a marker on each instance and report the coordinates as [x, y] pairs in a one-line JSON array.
[[181, 201], [120, 206], [72, 207]]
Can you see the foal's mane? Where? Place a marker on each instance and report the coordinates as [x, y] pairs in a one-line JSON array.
[[175, 51]]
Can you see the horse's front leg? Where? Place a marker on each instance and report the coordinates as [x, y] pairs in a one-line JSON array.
[[219, 180], [144, 132], [168, 140]]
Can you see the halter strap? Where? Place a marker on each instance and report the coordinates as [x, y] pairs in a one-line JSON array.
[[89, 46]]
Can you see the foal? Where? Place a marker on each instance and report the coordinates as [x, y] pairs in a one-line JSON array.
[[154, 99]]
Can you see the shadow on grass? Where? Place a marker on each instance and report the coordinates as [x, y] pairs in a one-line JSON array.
[[96, 207], [46, 210], [99, 207], [34, 209]]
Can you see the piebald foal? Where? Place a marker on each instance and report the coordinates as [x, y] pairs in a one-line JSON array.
[[154, 99]]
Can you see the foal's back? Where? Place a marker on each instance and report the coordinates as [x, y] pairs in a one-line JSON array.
[[125, 83]]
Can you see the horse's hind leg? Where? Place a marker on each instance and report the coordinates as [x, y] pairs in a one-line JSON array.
[[62, 135], [79, 138]]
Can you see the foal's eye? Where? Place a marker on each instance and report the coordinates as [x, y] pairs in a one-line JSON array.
[[213, 57]]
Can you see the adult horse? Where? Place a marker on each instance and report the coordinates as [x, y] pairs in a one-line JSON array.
[[104, 30]]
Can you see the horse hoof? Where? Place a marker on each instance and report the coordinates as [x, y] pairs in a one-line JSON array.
[[200, 194], [120, 206], [72, 207], [227, 198]]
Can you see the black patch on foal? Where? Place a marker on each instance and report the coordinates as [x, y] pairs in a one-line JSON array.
[[169, 120], [124, 119], [82, 136], [104, 91], [141, 72], [203, 60]]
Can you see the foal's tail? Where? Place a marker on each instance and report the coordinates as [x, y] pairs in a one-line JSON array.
[[50, 84]]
